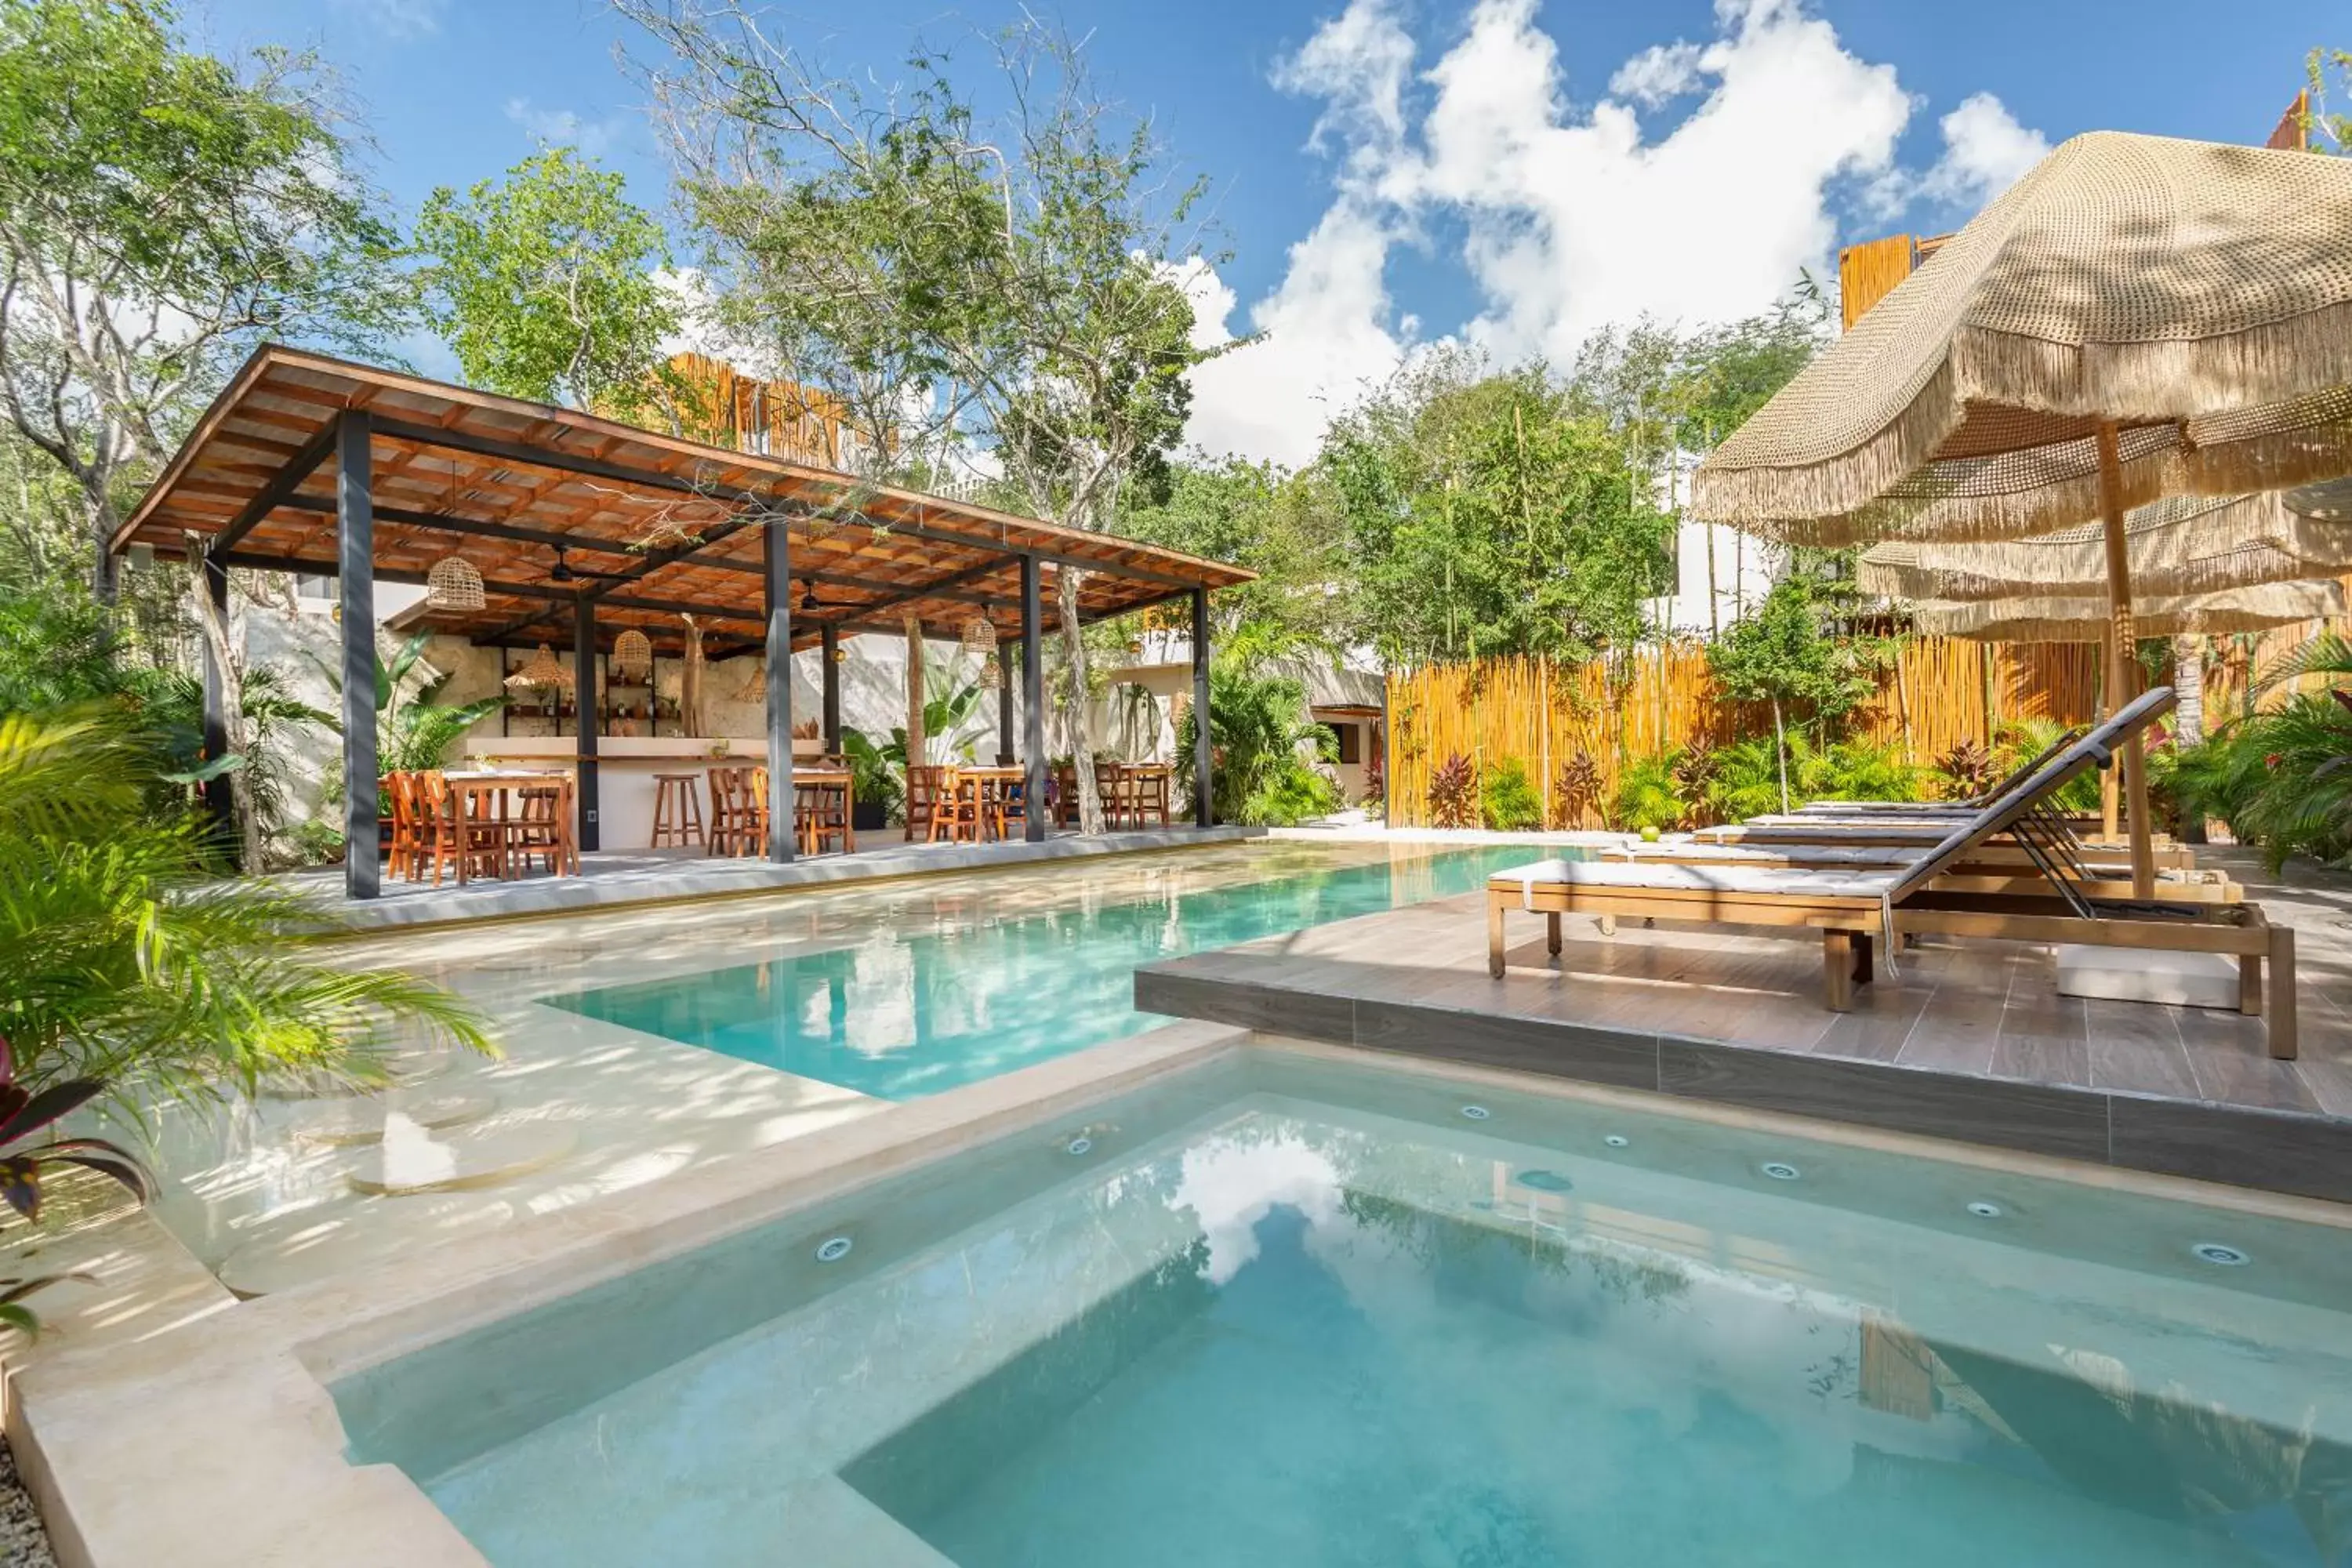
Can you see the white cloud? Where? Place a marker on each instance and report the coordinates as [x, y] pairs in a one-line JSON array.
[[397, 18], [1985, 151], [1573, 217], [562, 127], [1658, 74]]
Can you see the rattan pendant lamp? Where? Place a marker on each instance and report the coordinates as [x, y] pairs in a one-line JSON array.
[[2137, 318]]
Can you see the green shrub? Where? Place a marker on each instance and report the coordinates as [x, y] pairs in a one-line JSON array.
[[1287, 797], [2021, 739], [1646, 797], [1508, 800]]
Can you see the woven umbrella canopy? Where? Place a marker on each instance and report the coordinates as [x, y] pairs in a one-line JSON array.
[[2330, 503], [2182, 544], [2059, 617], [2136, 318]]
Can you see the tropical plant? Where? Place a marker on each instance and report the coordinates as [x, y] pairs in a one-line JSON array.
[[1576, 789], [1779, 653], [2022, 739], [413, 732], [1754, 772], [1694, 768], [174, 709], [1966, 771], [120, 963], [875, 779], [1507, 801], [1647, 800], [1260, 738], [2281, 777], [1454, 794], [23, 1163]]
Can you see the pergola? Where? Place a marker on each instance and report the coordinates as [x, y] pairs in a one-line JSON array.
[[582, 528]]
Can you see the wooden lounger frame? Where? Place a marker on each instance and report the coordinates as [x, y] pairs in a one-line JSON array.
[[2061, 907]]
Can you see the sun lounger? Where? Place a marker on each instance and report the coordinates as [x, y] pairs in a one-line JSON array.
[[1856, 907], [1983, 869]]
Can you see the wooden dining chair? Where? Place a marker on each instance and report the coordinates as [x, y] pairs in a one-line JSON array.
[[955, 811], [450, 838], [543, 830], [1110, 788], [1066, 796], [730, 820], [821, 812], [755, 791], [1008, 805], [401, 854], [922, 794]]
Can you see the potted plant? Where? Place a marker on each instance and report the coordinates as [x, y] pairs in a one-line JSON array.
[[876, 791]]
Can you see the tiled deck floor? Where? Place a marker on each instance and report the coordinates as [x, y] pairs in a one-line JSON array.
[[1971, 1041]]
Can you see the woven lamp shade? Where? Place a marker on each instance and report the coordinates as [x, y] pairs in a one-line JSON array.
[[2086, 619], [541, 673], [2195, 296], [633, 654], [2183, 544], [453, 583], [980, 637]]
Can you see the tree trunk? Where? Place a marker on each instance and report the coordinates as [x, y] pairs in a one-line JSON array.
[[105, 581], [250, 850], [1781, 754], [2189, 687], [1074, 710], [915, 694]]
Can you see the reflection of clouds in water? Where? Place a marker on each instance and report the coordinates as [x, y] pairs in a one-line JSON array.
[[1230, 1184]]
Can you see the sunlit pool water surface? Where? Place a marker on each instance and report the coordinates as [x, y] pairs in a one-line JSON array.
[[908, 1012], [1279, 1313]]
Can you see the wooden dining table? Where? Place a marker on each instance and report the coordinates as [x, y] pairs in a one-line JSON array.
[[494, 796], [997, 785]]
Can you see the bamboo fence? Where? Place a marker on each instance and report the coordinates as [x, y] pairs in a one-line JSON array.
[[1939, 692]]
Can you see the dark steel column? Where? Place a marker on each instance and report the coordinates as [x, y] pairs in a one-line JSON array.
[[1004, 752], [830, 651], [776, 584], [585, 727], [1201, 762], [355, 589], [219, 801], [1034, 815]]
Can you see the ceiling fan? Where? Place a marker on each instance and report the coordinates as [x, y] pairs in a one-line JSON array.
[[809, 600], [567, 574]]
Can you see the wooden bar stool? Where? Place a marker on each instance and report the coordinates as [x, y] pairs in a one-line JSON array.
[[677, 811]]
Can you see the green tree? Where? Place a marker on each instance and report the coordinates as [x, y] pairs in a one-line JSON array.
[[544, 284], [162, 210], [1005, 280], [1287, 526], [1487, 514], [2325, 129], [1779, 654]]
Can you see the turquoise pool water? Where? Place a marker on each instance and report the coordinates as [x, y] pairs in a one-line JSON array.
[[904, 1013], [1276, 1313]]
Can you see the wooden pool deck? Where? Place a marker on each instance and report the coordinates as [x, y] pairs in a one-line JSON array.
[[1970, 1041]]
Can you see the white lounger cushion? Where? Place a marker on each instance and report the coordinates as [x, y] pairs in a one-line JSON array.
[[1864, 854], [1790, 882]]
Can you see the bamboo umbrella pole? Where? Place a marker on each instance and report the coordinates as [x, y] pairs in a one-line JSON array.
[[2121, 650], [2110, 787]]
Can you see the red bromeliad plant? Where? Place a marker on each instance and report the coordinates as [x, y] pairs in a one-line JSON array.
[[1454, 794], [23, 1115]]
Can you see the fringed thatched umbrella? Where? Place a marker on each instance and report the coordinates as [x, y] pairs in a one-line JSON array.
[[2060, 618], [2181, 545], [2137, 318]]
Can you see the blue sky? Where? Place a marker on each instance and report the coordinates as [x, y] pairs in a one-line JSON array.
[[1392, 172]]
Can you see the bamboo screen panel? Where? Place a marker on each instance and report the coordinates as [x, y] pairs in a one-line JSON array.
[[1542, 714]]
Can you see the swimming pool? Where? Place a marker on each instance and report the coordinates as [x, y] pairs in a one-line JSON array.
[[1281, 1311], [901, 1012]]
